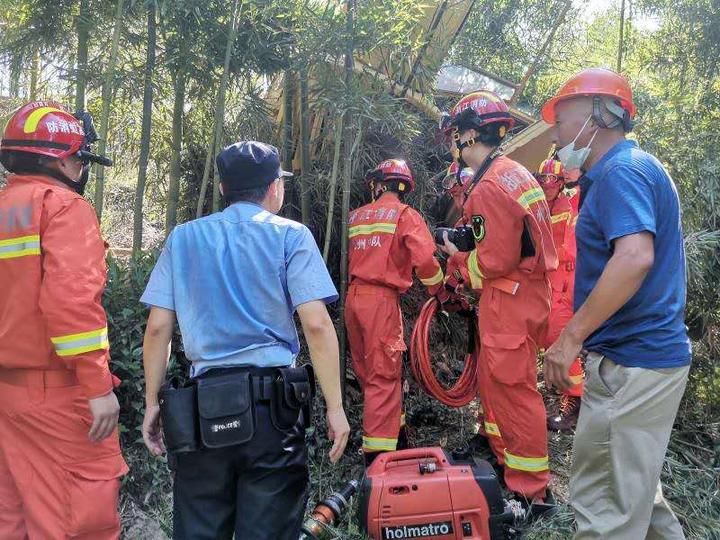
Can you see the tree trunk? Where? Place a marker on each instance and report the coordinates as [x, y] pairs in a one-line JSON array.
[[106, 102], [333, 187], [288, 121], [220, 110], [621, 40], [175, 159], [347, 173], [146, 126], [15, 75], [34, 75], [206, 172], [82, 55], [533, 67], [304, 148]]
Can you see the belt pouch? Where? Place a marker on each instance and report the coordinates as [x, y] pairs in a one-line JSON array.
[[293, 392], [226, 412], [178, 413]]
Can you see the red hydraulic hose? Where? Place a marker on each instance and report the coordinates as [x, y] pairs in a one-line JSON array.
[[465, 389]]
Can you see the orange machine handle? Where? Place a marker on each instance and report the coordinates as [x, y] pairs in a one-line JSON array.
[[387, 459]]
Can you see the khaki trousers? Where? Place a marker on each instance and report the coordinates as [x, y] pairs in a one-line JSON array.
[[621, 439]]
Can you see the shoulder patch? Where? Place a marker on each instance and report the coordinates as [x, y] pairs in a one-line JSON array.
[[478, 227]]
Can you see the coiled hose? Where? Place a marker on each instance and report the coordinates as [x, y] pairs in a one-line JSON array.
[[465, 388]]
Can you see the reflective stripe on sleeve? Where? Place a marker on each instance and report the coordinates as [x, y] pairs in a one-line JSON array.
[[531, 196], [437, 278], [565, 216], [20, 246], [476, 275], [72, 344]]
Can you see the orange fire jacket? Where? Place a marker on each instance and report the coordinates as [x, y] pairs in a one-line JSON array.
[[505, 205], [564, 214], [388, 240], [52, 276]]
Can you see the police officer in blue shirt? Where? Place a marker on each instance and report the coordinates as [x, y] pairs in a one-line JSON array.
[[235, 431], [629, 313]]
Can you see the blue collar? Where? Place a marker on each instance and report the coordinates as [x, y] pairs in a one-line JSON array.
[[595, 171], [244, 209]]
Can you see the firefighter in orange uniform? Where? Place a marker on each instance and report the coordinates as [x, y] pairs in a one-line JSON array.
[[508, 216], [60, 461], [388, 240], [563, 198], [454, 185]]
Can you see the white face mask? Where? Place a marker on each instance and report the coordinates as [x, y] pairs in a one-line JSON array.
[[573, 158]]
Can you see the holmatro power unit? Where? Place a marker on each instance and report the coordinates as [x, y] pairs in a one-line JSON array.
[[430, 493]]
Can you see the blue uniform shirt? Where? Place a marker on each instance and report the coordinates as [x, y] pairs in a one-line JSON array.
[[628, 191], [235, 279]]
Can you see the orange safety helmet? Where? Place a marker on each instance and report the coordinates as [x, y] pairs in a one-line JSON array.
[[476, 110], [593, 82], [392, 170]]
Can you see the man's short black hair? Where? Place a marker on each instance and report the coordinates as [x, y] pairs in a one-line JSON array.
[[253, 195], [18, 162]]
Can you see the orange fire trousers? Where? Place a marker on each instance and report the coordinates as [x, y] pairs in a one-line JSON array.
[[560, 313], [510, 327], [54, 483], [375, 334]]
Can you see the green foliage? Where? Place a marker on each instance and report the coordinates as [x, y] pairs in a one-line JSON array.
[[674, 71]]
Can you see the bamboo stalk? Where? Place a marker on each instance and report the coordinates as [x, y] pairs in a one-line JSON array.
[[82, 55], [288, 121], [146, 127], [34, 75], [304, 148], [333, 186], [621, 41], [347, 173], [106, 102], [222, 91], [538, 58]]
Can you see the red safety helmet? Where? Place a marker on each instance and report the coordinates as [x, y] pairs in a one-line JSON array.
[[393, 170], [476, 110], [552, 167], [551, 176], [46, 128], [599, 82]]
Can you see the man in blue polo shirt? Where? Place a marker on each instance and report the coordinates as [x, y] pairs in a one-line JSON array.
[[629, 313], [234, 280]]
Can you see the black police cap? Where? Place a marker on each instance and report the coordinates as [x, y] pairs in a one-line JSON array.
[[248, 165]]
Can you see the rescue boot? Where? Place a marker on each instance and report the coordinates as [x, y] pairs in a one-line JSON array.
[[479, 444], [568, 415], [524, 510]]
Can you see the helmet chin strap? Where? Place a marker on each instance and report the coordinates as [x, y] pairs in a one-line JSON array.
[[460, 147], [457, 154], [77, 187], [374, 192]]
